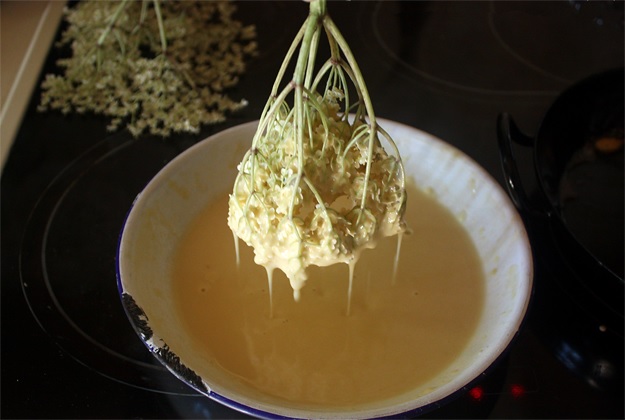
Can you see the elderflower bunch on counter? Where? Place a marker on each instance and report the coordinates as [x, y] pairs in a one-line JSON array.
[[317, 186], [151, 65]]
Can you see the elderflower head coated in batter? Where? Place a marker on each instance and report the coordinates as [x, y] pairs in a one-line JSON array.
[[317, 185]]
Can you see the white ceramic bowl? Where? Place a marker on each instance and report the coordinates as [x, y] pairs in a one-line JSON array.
[[162, 212]]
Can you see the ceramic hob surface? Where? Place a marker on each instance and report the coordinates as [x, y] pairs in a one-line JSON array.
[[448, 68]]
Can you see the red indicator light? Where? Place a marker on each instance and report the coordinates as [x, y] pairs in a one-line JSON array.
[[517, 390], [476, 393]]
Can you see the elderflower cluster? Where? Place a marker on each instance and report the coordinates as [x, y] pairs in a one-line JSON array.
[[319, 218], [119, 68]]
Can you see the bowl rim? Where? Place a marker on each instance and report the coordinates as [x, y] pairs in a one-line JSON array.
[[172, 363]]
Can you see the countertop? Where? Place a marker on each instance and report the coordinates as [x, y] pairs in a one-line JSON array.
[[27, 29]]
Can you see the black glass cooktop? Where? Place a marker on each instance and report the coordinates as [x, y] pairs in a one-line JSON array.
[[448, 68]]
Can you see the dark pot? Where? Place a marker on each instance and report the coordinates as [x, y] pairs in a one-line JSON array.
[[578, 160]]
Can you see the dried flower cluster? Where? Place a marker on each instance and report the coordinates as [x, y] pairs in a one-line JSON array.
[[152, 66]]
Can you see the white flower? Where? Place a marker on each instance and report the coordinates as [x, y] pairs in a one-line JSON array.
[[319, 220]]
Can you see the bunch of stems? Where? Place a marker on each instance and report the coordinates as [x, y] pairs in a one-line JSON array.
[[338, 71]]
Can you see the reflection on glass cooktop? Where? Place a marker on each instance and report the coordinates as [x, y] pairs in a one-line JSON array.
[[517, 48], [66, 261]]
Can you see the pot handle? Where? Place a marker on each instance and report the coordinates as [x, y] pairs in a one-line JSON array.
[[507, 133]]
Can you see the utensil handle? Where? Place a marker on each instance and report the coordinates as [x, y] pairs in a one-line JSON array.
[[507, 133]]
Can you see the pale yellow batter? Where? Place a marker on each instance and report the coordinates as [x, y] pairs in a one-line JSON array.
[[398, 332]]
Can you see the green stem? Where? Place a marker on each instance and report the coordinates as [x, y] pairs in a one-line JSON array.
[[358, 78], [161, 27], [311, 27], [144, 11], [271, 113], [303, 63], [360, 84], [107, 31], [312, 54], [114, 18], [319, 200], [287, 60]]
